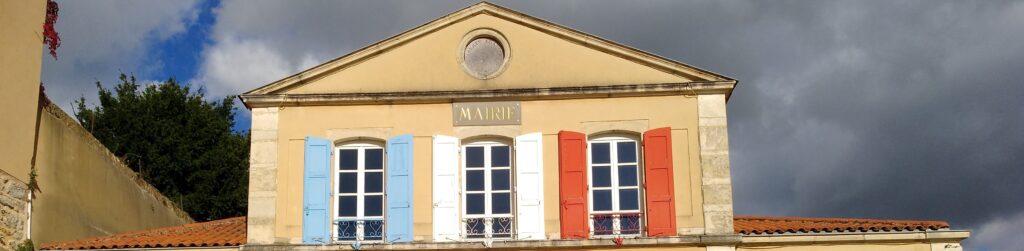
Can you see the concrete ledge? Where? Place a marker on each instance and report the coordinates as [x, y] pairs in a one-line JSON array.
[[417, 97], [836, 238], [680, 241]]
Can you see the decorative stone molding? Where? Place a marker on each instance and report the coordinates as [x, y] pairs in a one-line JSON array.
[[716, 181], [263, 176]]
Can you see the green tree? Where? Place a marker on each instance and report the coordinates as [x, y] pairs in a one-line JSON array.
[[179, 143]]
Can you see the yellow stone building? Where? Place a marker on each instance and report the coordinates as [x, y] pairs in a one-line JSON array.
[[491, 129]]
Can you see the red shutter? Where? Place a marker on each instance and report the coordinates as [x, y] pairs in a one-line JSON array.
[[661, 207], [572, 180]]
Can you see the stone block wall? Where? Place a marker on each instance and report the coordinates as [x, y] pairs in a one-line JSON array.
[[13, 211]]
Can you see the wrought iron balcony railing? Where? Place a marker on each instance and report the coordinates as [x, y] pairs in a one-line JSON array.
[[359, 229], [615, 224], [488, 227]]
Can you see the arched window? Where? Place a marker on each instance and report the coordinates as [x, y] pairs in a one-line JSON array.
[[359, 197], [615, 188], [487, 184]]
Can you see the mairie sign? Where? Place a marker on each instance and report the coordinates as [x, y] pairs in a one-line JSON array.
[[486, 113]]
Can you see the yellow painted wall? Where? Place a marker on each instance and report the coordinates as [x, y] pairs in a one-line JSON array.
[[87, 191], [538, 59], [21, 41], [547, 117]]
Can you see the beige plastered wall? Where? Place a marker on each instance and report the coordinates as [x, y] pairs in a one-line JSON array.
[[431, 62], [86, 191], [631, 115], [21, 41]]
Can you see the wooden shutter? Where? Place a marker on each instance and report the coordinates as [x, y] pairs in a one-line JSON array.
[[399, 189], [446, 188], [530, 187], [572, 179], [661, 209], [316, 191]]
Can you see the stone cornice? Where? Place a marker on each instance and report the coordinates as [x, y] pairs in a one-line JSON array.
[[418, 97]]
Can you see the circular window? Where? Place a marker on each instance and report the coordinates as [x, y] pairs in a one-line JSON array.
[[484, 54]]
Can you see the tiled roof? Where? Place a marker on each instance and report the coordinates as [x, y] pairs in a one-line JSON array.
[[225, 232], [781, 225], [231, 232]]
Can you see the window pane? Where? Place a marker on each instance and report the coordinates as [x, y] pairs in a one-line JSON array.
[[501, 227], [626, 152], [500, 156], [629, 224], [347, 182], [602, 200], [475, 156], [374, 159], [604, 225], [475, 180], [347, 230], [475, 204], [627, 175], [349, 159], [475, 228], [599, 153], [347, 206], [602, 176], [374, 182], [501, 203], [500, 180], [373, 205], [628, 199]]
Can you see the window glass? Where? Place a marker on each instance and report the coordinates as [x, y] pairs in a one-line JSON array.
[[626, 152], [475, 180], [374, 159], [359, 203], [474, 157], [475, 204], [374, 205], [349, 159], [374, 182], [347, 206], [347, 182], [602, 200], [501, 203], [500, 156], [615, 186], [500, 179], [628, 199], [627, 175], [602, 176], [600, 153]]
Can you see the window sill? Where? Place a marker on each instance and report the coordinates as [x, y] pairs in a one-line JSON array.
[[689, 240]]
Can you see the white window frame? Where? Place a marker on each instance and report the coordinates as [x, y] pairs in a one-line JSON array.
[[360, 194], [488, 193], [612, 141]]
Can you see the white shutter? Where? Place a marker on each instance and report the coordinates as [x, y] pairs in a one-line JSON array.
[[530, 187], [446, 188]]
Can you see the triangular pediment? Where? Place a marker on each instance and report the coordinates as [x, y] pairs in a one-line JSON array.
[[540, 55]]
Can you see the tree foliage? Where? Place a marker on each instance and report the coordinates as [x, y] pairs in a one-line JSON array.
[[179, 143]]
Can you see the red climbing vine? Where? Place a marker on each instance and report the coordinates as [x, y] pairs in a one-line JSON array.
[[50, 36]]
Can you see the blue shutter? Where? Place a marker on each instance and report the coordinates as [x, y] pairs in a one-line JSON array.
[[399, 191], [315, 193]]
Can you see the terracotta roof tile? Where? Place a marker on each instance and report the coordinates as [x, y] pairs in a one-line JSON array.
[[780, 225], [231, 232], [225, 232]]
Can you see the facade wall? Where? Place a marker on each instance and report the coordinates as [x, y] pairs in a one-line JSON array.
[[86, 191], [21, 24], [632, 115]]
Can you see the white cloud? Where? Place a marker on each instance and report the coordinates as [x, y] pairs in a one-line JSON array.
[[1001, 233], [232, 66], [101, 38]]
